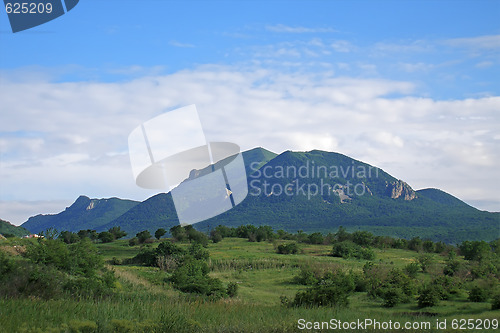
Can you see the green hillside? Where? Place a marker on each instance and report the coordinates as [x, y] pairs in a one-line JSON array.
[[397, 284], [84, 213], [6, 228], [309, 191]]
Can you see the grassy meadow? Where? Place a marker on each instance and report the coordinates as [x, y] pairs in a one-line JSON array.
[[145, 301]]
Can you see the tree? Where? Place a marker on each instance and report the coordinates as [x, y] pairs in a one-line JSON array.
[[143, 236], [178, 233], [106, 237], [159, 233], [68, 237], [117, 232], [429, 296]]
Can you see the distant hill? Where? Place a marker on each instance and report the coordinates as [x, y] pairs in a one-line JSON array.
[[84, 213], [282, 194], [7, 228]]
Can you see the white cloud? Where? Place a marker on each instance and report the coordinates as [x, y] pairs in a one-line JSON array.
[[179, 44], [297, 29], [60, 140], [478, 42], [342, 46]]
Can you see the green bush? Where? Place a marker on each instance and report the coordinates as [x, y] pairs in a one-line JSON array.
[[192, 277], [412, 269], [232, 289], [322, 295], [348, 249], [478, 294], [392, 296], [288, 248], [429, 296], [495, 303]]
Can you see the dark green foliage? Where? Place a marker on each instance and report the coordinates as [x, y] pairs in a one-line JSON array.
[[452, 267], [232, 289], [192, 277], [117, 232], [91, 234], [7, 229], [446, 286], [428, 246], [412, 269], [133, 241], [429, 296], [348, 249], [167, 248], [197, 251], [84, 213], [425, 260], [6, 264], [55, 269], [415, 244], [288, 248], [333, 289], [159, 233], [178, 233], [362, 238], [146, 256], [307, 277], [478, 294], [215, 236], [475, 250], [495, 303], [392, 296], [143, 236], [106, 237], [315, 238], [69, 237]]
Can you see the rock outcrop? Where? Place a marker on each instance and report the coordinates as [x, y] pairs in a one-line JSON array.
[[400, 189]]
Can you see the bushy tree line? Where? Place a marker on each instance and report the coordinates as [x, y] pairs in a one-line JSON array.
[[53, 269], [478, 278], [362, 238], [69, 237], [188, 267]]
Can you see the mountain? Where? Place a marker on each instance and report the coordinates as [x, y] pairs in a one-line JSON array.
[[7, 228], [84, 213], [320, 191], [310, 191], [159, 210]]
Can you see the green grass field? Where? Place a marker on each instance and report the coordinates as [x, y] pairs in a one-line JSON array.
[[145, 302]]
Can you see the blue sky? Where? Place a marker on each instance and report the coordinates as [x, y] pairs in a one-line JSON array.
[[410, 86]]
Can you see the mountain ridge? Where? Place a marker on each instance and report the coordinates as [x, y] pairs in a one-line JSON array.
[[382, 204]]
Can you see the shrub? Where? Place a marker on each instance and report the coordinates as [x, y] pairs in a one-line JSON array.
[[143, 236], [232, 289], [198, 251], [288, 248], [117, 232], [106, 237], [425, 260], [192, 277], [306, 277], [322, 295], [392, 297], [412, 269], [133, 241], [159, 233], [495, 303], [478, 294], [215, 236], [429, 296], [348, 249]]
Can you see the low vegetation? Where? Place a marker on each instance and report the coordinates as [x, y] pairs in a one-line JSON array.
[[245, 279]]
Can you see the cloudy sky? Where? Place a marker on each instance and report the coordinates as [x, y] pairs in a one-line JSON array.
[[408, 86]]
